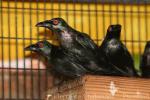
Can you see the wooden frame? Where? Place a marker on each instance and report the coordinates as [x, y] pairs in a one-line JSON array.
[[102, 88]]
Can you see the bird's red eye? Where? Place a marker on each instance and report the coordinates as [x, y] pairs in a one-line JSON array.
[[41, 45], [55, 22]]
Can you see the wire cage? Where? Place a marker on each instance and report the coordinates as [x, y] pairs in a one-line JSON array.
[[22, 76]]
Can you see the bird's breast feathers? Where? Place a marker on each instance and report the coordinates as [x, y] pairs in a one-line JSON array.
[[113, 44], [66, 38]]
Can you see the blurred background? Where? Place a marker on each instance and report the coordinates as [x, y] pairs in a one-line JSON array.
[[24, 76]]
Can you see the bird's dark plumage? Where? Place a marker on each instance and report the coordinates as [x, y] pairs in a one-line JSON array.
[[79, 44], [63, 64], [116, 53], [68, 36], [145, 61]]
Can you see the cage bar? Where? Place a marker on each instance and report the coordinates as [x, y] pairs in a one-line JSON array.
[[21, 78]]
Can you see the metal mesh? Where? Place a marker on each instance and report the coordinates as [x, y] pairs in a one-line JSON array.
[[22, 77]]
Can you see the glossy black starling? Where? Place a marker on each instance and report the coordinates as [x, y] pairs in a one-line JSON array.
[[145, 61], [63, 64], [68, 36], [79, 44], [116, 52]]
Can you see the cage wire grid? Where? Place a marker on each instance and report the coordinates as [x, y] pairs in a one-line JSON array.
[[30, 83]]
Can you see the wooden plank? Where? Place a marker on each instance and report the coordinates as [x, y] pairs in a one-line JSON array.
[[102, 88], [120, 88]]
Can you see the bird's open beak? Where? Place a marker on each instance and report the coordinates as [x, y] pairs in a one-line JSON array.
[[46, 24], [31, 48]]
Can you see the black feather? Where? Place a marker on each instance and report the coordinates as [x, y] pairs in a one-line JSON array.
[[116, 53], [77, 43], [63, 64], [145, 61]]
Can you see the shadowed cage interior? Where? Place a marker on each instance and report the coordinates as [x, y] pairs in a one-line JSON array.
[[22, 75]]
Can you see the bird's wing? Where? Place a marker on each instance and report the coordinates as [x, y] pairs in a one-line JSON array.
[[124, 58], [69, 68], [128, 60], [84, 40], [145, 58], [127, 55]]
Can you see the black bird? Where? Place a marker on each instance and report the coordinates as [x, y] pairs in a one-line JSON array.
[[63, 64], [68, 37], [78, 43], [116, 53], [145, 61]]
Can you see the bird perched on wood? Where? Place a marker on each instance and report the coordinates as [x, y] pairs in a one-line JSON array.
[[145, 61], [116, 53], [63, 64], [78, 43]]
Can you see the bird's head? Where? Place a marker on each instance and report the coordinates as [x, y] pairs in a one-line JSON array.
[[41, 47], [147, 47], [148, 44], [114, 31], [55, 24]]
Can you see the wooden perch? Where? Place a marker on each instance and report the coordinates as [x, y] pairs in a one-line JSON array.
[[102, 88]]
